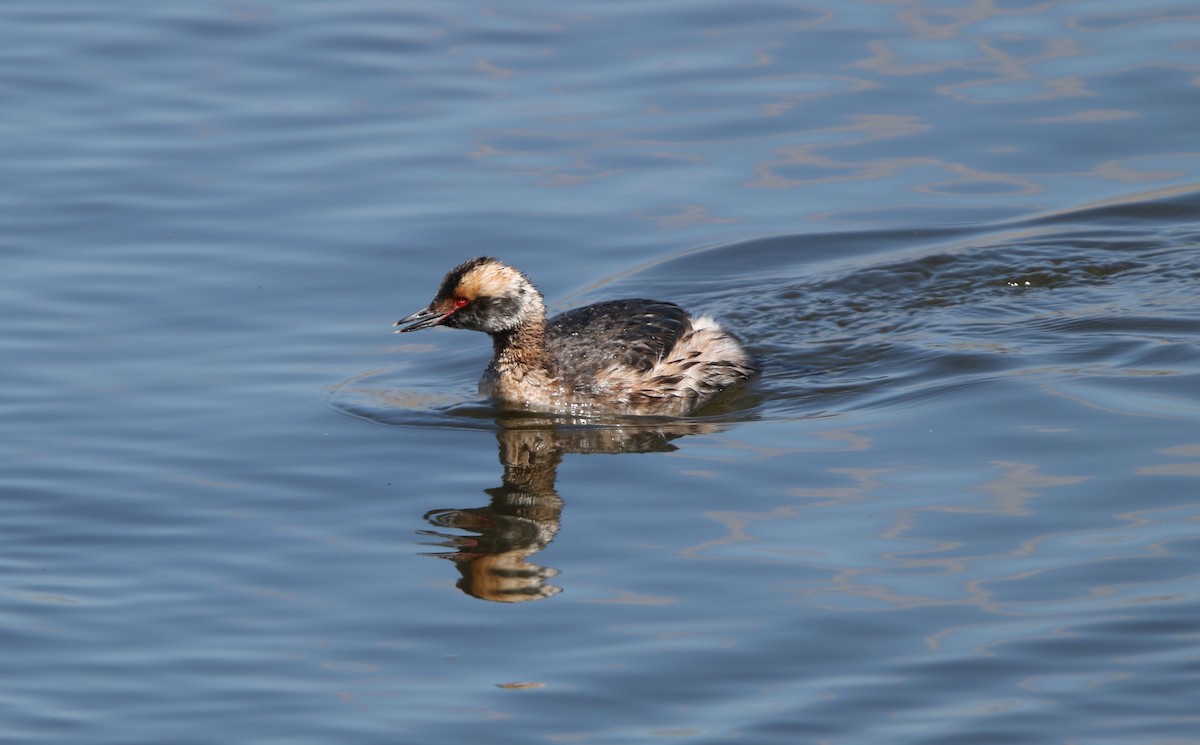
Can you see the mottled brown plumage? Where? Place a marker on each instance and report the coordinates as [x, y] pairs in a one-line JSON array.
[[619, 356]]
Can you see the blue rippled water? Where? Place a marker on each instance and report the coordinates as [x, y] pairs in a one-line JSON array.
[[960, 505]]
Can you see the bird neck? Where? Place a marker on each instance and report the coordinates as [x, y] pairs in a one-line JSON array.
[[521, 350], [523, 347]]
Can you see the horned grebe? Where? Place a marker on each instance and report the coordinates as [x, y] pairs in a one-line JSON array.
[[619, 356]]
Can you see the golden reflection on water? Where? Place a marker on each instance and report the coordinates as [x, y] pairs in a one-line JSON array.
[[1012, 490], [524, 512], [797, 121]]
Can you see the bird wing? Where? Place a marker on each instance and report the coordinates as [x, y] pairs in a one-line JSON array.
[[631, 333]]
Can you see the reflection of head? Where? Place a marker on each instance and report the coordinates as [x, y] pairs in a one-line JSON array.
[[521, 520], [506, 578], [523, 515]]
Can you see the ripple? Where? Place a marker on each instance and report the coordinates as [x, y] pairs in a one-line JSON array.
[[843, 321]]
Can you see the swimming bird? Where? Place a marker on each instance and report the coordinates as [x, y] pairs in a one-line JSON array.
[[619, 356]]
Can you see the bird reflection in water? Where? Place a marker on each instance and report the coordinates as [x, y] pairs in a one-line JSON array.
[[523, 514]]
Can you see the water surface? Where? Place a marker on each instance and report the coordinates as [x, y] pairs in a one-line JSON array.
[[960, 504]]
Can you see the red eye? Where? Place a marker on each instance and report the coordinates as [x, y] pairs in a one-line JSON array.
[[460, 302]]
